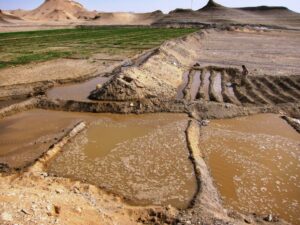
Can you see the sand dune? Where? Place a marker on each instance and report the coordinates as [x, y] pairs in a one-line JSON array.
[[123, 18]]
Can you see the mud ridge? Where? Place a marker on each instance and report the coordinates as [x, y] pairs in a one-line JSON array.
[[187, 90], [227, 96], [41, 163], [18, 107], [295, 123], [253, 92]]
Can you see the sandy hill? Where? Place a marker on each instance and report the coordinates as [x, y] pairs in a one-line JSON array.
[[216, 13], [7, 17], [59, 10], [211, 5], [124, 18], [18, 12], [2, 20]]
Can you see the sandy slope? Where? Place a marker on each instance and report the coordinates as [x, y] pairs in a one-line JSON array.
[[124, 18], [6, 17]]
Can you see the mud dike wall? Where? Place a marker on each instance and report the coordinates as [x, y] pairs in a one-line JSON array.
[[158, 77]]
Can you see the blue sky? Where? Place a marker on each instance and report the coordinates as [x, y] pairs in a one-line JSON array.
[[151, 5]]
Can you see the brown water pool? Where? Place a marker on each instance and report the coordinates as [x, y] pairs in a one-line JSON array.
[[78, 92], [255, 162], [143, 158], [25, 136]]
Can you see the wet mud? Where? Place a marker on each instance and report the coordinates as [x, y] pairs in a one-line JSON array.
[[24, 137], [78, 92]]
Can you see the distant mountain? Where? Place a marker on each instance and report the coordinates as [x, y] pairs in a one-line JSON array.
[[214, 13], [212, 5], [265, 8]]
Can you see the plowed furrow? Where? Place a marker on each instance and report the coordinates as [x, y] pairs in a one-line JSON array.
[[277, 91], [285, 86], [292, 82], [227, 92], [265, 92], [254, 93], [242, 95]]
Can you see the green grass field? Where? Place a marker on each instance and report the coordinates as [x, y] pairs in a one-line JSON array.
[[24, 47]]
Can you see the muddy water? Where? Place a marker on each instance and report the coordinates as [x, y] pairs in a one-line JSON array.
[[195, 85], [25, 136], [185, 80], [232, 95], [143, 158], [255, 162], [205, 84], [79, 92]]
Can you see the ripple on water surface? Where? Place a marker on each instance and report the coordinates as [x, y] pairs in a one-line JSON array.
[[143, 158], [255, 162]]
